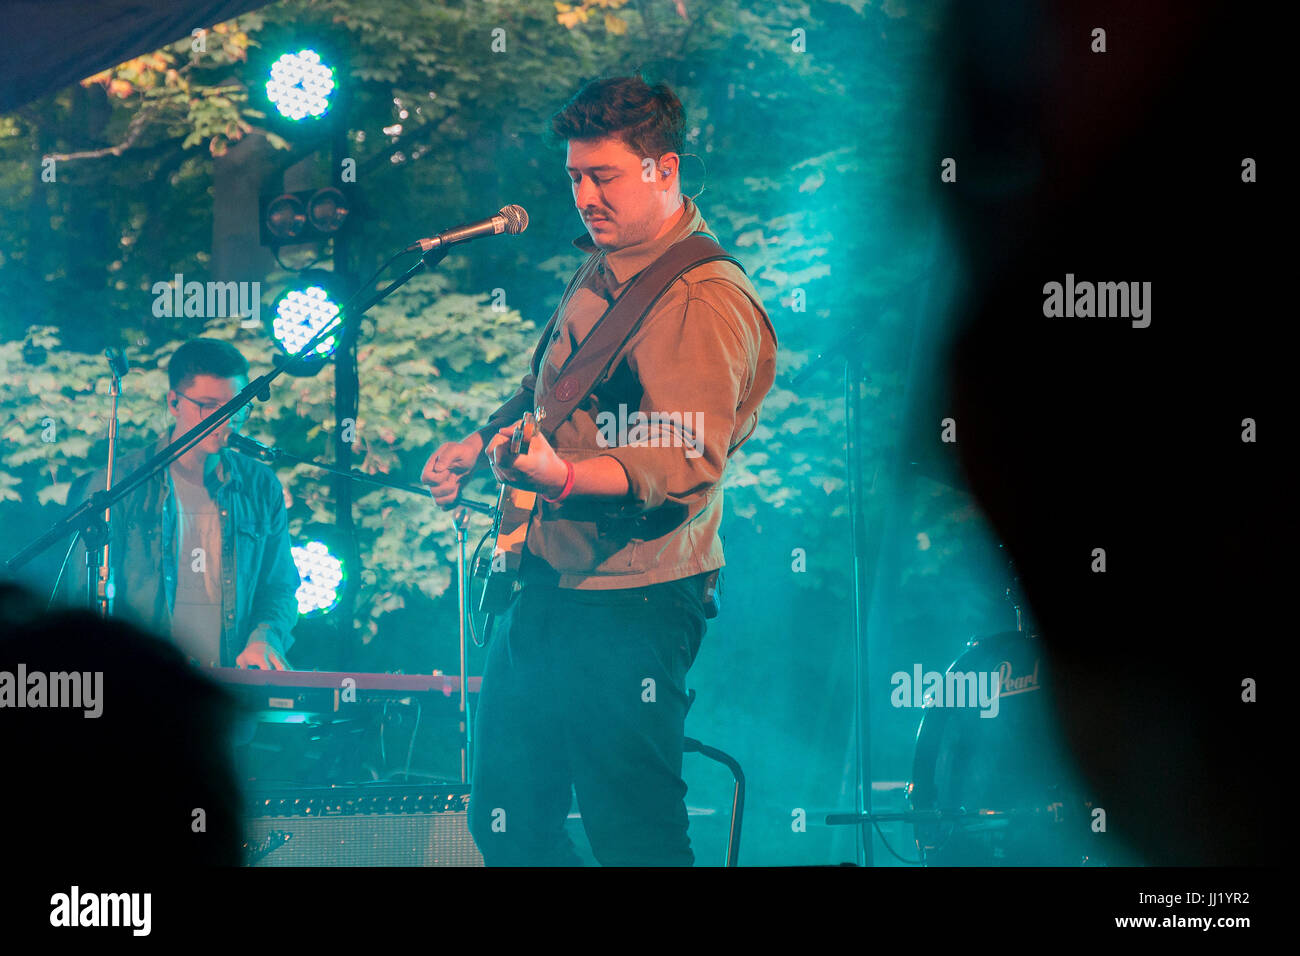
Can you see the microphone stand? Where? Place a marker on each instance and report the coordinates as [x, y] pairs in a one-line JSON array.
[[84, 518], [99, 570], [269, 454], [461, 519], [462, 601]]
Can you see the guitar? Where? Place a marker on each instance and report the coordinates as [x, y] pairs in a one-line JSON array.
[[514, 511], [509, 530]]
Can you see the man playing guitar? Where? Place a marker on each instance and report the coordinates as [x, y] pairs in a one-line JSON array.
[[584, 688]]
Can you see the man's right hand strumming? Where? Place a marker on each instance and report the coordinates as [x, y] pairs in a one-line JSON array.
[[449, 467]]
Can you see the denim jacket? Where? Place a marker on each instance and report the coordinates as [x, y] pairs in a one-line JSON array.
[[259, 580]]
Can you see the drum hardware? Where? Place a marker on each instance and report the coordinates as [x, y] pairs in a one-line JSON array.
[[1014, 593], [1012, 765], [994, 792], [1006, 768]]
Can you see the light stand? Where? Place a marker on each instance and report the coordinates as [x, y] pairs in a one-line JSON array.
[[848, 349]]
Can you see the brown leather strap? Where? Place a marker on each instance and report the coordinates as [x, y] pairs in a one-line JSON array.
[[591, 362], [557, 318]]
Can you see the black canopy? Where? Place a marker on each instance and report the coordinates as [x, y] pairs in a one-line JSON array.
[[48, 44]]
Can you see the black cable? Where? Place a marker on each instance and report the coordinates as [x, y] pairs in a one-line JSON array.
[[469, 612], [275, 252], [58, 582], [876, 824], [375, 275], [410, 750]]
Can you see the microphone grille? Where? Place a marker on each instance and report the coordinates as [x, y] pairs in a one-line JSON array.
[[516, 219]]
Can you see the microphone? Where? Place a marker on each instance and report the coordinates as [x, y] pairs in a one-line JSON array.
[[253, 449], [511, 220], [116, 361]]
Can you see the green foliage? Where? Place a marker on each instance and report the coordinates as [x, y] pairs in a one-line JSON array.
[[173, 89], [433, 364], [442, 124]]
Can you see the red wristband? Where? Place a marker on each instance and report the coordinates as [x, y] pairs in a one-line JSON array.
[[568, 486]]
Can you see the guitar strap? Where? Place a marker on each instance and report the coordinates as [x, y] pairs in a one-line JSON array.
[[598, 352]]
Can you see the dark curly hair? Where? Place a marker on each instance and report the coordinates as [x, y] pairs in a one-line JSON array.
[[205, 357], [648, 119]]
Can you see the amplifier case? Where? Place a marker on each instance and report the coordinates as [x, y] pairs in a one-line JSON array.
[[377, 825]]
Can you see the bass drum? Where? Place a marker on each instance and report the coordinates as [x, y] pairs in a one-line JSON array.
[[1012, 766]]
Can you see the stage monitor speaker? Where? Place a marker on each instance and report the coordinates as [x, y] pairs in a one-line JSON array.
[[368, 825]]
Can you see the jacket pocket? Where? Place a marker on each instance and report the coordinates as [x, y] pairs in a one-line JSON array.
[[250, 537], [250, 528]]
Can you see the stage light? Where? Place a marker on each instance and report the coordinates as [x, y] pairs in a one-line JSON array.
[[327, 209], [299, 312], [323, 577], [306, 215], [300, 86], [284, 218]]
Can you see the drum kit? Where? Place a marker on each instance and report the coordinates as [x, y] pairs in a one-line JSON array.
[[999, 792]]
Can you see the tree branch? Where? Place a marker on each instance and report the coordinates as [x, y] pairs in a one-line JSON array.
[[133, 131]]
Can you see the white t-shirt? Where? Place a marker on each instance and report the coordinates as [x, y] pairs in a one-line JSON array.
[[196, 618]]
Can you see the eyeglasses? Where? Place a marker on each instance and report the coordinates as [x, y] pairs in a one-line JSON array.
[[206, 408]]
